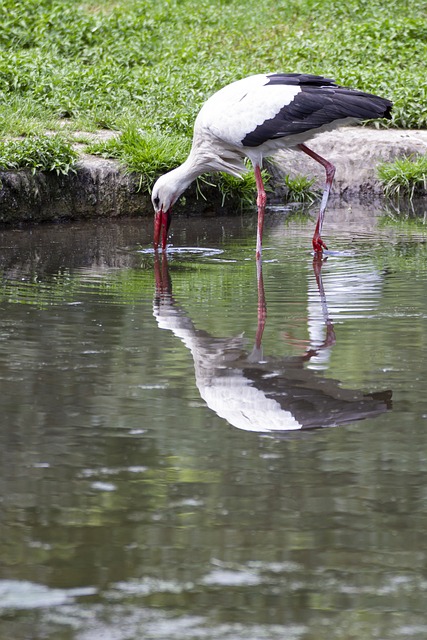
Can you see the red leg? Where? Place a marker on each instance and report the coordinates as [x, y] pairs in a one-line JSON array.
[[318, 244], [261, 200], [256, 354], [262, 307], [330, 333]]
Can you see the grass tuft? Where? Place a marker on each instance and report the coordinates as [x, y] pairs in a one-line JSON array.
[[242, 190], [151, 154], [405, 177], [300, 189], [147, 153], [38, 153]]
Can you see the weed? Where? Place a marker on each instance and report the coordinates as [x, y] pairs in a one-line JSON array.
[[243, 189], [153, 64], [405, 177], [150, 154], [300, 189], [146, 153], [38, 153]]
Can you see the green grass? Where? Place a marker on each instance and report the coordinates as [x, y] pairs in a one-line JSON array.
[[405, 177], [153, 63], [38, 153], [241, 190], [126, 65], [150, 154], [147, 153], [300, 189]]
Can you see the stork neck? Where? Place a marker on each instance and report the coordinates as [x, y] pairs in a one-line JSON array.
[[183, 176], [191, 168]]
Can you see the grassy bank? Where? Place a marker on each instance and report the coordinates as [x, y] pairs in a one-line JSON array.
[[126, 64]]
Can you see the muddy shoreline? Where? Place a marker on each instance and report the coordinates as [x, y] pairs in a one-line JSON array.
[[100, 188]]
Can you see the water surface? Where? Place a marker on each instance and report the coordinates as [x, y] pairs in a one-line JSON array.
[[189, 452]]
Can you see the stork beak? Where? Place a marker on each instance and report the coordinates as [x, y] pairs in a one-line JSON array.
[[162, 220]]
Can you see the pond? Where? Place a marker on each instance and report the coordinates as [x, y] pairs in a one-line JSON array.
[[191, 449]]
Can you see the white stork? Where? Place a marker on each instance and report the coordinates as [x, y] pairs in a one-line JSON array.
[[254, 117]]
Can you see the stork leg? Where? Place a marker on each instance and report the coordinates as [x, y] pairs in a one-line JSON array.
[[256, 354], [318, 244], [261, 200], [262, 306]]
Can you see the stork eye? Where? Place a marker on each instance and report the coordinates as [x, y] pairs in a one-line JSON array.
[[156, 201]]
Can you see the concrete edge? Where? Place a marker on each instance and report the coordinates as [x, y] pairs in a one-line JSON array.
[[101, 188]]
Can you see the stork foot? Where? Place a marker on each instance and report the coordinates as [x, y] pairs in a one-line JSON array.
[[318, 244]]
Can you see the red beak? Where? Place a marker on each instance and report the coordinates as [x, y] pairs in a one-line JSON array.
[[162, 220]]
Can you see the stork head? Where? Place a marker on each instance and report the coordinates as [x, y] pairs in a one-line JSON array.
[[163, 197]]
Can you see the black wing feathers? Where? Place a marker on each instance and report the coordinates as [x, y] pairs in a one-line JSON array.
[[320, 102], [300, 78]]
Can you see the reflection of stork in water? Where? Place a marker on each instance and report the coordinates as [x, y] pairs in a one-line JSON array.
[[259, 393]]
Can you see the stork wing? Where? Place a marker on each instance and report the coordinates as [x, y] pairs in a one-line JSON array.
[[259, 108], [315, 108]]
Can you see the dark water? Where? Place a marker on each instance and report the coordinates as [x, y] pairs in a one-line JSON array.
[[160, 474]]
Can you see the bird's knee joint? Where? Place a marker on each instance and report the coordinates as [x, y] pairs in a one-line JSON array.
[[330, 172]]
